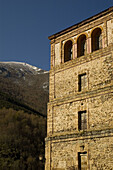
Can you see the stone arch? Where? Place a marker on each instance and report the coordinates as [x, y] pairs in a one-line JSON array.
[[81, 45], [83, 33], [68, 50], [96, 39]]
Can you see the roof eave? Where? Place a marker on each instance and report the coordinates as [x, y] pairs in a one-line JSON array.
[[81, 23]]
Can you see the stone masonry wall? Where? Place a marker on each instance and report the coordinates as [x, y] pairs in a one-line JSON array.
[[110, 31], [99, 74], [99, 110], [96, 99], [65, 141], [99, 154]]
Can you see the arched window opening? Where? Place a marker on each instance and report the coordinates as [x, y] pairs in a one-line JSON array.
[[96, 39], [81, 45], [68, 51]]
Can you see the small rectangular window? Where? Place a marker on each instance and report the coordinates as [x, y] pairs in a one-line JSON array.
[[82, 82], [82, 161], [82, 120]]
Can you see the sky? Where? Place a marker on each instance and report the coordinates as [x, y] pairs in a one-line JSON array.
[[26, 24]]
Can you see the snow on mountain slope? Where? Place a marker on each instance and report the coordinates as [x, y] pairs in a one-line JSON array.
[[19, 70], [23, 67]]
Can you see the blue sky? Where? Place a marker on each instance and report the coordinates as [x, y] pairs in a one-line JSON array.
[[26, 24]]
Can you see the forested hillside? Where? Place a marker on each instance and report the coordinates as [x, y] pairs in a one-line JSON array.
[[23, 102], [21, 140]]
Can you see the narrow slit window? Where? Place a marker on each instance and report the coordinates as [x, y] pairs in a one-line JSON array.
[[82, 120]]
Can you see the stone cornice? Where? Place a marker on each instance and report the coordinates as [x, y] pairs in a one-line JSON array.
[[101, 133], [82, 95]]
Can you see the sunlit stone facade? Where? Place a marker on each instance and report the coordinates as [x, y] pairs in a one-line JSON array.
[[80, 108]]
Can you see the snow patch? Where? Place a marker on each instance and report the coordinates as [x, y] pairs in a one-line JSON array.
[[39, 69], [46, 72], [34, 69], [45, 85], [21, 69]]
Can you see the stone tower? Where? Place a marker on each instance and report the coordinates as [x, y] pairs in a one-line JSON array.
[[80, 108]]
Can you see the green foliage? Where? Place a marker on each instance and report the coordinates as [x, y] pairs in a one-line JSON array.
[[21, 140]]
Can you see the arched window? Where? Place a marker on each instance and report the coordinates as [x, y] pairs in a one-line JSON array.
[[96, 39], [81, 45], [68, 51]]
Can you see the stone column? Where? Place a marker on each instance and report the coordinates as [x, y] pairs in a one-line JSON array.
[[47, 155], [61, 52], [88, 45], [75, 50], [104, 35], [49, 120], [52, 54]]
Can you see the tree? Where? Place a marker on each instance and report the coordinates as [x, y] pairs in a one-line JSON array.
[[21, 140]]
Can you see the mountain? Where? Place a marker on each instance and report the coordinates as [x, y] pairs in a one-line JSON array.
[[25, 85], [24, 92]]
